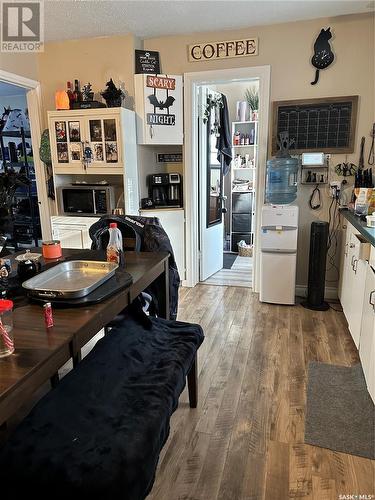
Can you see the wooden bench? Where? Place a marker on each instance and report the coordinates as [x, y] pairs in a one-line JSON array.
[[101, 430]]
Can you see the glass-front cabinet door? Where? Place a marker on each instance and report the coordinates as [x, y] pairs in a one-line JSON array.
[[66, 141], [86, 144], [103, 138]]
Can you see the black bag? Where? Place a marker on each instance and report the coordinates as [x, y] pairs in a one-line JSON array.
[[147, 235]]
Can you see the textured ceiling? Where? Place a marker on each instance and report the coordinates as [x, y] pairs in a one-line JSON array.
[[73, 19]]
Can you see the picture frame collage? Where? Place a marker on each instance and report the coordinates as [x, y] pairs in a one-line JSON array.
[[68, 141], [103, 138]]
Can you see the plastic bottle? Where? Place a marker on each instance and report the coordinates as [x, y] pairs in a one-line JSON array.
[[281, 184], [114, 248]]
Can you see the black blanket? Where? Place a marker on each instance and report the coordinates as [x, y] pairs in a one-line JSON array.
[[100, 432]]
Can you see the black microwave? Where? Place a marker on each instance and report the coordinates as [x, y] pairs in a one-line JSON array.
[[86, 200]]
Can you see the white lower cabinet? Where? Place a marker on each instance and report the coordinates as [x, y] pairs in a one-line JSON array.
[[173, 222], [367, 339], [73, 232], [356, 254], [357, 296]]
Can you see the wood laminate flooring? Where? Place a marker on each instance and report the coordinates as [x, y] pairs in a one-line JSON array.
[[240, 274], [245, 441]]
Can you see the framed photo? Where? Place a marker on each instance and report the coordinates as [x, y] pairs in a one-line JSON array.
[[96, 131], [62, 152], [98, 151], [110, 130], [75, 152], [111, 152], [60, 129], [74, 132]]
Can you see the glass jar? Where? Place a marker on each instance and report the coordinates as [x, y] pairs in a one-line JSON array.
[[51, 249], [6, 328]]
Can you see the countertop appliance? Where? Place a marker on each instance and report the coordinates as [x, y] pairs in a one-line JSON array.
[[86, 199], [165, 190], [279, 231]]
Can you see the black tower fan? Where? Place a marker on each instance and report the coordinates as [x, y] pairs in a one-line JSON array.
[[317, 267]]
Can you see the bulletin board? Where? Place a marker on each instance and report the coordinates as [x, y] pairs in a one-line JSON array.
[[325, 124]]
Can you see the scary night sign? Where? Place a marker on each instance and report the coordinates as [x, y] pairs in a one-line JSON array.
[[222, 50], [161, 101], [161, 82]]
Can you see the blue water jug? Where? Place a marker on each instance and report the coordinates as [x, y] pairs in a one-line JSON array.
[[281, 180]]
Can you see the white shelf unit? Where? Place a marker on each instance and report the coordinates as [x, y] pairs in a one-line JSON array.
[[243, 202], [111, 135]]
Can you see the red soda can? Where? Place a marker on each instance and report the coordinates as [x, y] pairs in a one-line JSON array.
[[48, 317]]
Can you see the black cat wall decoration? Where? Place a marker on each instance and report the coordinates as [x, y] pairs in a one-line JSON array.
[[323, 55]]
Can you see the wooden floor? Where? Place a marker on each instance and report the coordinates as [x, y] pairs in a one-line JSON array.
[[245, 441], [240, 274]]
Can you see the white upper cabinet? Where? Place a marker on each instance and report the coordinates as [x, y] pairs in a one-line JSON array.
[[109, 133], [158, 103]]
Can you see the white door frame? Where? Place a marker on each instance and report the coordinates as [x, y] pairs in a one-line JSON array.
[[34, 106], [191, 81]]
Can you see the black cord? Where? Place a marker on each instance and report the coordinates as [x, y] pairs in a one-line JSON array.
[[333, 246], [334, 309], [371, 155], [316, 192]]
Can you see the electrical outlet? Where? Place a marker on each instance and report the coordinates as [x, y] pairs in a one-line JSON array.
[[335, 189]]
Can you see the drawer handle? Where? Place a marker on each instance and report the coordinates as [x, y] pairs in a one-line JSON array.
[[352, 245], [355, 265], [346, 249], [352, 262], [371, 302]]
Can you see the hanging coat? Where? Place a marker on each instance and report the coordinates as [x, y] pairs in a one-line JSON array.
[[149, 236], [224, 140]]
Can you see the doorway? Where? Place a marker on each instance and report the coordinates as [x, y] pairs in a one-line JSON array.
[[25, 208], [227, 242], [230, 164]]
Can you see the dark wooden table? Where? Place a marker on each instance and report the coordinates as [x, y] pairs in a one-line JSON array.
[[40, 352]]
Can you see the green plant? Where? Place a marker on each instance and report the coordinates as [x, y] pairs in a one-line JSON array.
[[252, 97]]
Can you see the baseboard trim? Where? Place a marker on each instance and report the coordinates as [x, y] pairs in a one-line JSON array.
[[330, 293]]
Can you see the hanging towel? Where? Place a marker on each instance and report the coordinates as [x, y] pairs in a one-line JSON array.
[[224, 140]]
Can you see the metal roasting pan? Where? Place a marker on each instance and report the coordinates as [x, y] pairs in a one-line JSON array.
[[71, 279]]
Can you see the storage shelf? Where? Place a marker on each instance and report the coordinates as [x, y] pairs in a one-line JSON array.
[[313, 183], [241, 198], [244, 168], [247, 191], [248, 121]]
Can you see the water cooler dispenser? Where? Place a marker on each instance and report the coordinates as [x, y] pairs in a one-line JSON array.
[[279, 229]]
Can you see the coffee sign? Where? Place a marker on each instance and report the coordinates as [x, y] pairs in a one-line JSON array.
[[209, 51]]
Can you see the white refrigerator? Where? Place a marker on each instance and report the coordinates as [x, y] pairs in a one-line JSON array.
[[279, 231]]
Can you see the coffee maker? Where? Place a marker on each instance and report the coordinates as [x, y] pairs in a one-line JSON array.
[[165, 190]]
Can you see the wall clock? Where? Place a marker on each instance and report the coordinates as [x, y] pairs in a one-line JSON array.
[[323, 55]]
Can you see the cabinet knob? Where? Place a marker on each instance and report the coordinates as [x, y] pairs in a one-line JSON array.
[[371, 301]]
